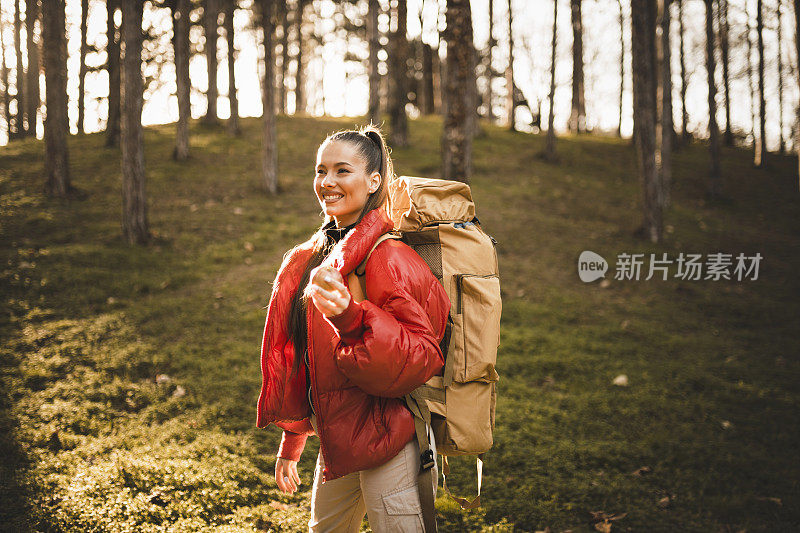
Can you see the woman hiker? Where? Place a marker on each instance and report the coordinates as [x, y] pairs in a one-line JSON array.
[[337, 368]]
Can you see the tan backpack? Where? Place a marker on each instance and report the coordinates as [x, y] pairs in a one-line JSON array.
[[437, 219]]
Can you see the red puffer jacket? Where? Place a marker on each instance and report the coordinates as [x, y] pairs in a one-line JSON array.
[[362, 361]]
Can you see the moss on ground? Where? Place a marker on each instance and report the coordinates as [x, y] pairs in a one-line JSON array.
[[130, 374]]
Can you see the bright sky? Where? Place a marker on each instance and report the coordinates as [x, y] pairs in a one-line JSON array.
[[344, 89]]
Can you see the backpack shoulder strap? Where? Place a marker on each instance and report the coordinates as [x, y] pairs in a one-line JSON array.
[[355, 279], [360, 270]]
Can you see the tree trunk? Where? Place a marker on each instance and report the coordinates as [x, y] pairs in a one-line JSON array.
[[621, 66], [299, 77], [473, 95], [456, 134], [32, 96], [82, 72], [797, 73], [183, 81], [4, 80], [724, 44], [210, 14], [550, 145], [782, 140], [713, 129], [112, 65], [751, 82], [269, 154], [761, 147], [233, 121], [134, 198], [429, 62], [511, 106], [21, 129], [577, 118], [56, 122], [684, 78], [644, 113], [666, 130], [284, 21], [489, 67], [373, 35], [398, 135]]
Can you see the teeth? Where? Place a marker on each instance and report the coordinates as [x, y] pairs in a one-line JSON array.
[[332, 196]]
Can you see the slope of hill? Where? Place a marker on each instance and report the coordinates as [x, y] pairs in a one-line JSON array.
[[129, 375]]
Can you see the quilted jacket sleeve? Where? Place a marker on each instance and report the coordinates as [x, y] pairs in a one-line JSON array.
[[294, 437], [389, 343]]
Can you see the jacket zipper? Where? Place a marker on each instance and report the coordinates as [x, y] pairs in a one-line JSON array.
[[313, 389]]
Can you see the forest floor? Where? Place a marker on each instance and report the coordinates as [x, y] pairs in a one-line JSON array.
[[129, 375]]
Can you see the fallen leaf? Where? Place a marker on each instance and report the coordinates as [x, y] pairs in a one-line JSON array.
[[664, 502], [776, 501], [726, 424], [605, 284], [642, 471], [238, 211], [249, 246], [218, 295], [546, 381], [179, 392], [621, 380], [111, 300], [625, 324], [162, 379], [603, 527], [279, 505], [602, 515]]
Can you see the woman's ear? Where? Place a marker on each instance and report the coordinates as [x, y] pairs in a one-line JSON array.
[[374, 182]]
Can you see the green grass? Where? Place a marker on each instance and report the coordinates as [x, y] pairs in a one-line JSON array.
[[93, 441]]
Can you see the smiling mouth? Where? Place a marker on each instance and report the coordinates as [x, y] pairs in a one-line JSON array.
[[332, 197]]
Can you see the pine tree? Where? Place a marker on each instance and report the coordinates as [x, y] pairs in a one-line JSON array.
[[181, 23], [644, 114], [56, 125], [456, 134], [577, 118], [398, 133], [713, 129], [113, 68], [134, 196], [233, 121], [269, 153], [32, 90], [550, 144]]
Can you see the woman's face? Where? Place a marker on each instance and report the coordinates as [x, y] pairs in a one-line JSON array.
[[342, 184]]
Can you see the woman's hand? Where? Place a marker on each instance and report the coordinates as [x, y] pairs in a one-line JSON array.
[[330, 302], [286, 475]]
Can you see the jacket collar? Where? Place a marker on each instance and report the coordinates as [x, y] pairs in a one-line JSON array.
[[349, 252]]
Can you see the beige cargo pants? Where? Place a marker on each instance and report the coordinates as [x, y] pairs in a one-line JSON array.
[[388, 494]]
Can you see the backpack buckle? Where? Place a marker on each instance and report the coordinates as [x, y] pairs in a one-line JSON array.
[[426, 460]]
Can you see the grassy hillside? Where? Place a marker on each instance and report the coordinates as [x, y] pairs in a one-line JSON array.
[[129, 375]]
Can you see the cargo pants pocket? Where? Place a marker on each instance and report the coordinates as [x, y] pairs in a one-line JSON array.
[[403, 510]]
